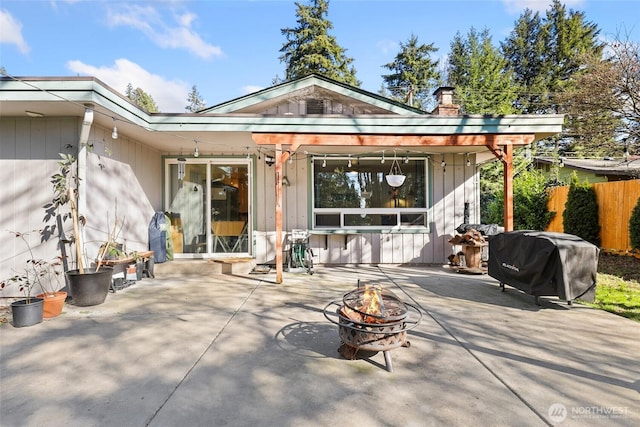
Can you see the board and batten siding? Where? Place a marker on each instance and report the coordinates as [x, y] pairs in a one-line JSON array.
[[29, 155], [448, 192]]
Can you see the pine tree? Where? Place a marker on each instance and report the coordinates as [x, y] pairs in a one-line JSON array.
[[414, 75], [544, 52], [195, 100], [524, 51], [141, 98], [311, 49], [477, 70]]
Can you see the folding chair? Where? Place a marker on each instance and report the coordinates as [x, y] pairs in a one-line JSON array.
[[223, 231]]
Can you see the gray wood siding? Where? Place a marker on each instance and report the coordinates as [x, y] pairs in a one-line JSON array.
[[448, 193], [29, 154]]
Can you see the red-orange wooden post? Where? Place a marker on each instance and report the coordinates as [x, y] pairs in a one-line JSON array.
[[507, 163], [278, 171]]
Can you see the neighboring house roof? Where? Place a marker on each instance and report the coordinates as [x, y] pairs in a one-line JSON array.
[[376, 115], [608, 166]]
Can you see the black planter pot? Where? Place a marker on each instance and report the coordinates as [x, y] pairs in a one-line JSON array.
[[27, 314], [139, 269], [91, 287]]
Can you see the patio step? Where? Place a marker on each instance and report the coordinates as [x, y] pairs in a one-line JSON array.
[[203, 267]]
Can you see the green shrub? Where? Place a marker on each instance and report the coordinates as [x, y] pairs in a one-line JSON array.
[[580, 216], [530, 197], [634, 226]]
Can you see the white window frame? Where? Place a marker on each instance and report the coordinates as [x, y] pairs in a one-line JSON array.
[[374, 211]]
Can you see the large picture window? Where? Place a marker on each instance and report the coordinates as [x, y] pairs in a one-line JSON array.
[[350, 193]]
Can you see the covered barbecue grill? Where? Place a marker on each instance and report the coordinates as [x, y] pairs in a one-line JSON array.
[[545, 264]]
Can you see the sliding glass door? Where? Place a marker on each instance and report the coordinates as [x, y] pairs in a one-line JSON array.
[[208, 203]]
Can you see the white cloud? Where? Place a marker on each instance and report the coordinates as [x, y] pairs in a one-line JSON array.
[[517, 6], [180, 35], [251, 88], [11, 31], [387, 46], [170, 95]]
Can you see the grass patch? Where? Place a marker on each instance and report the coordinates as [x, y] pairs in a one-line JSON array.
[[618, 286], [618, 296]]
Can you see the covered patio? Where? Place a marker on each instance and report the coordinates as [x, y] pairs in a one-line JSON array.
[[242, 350]]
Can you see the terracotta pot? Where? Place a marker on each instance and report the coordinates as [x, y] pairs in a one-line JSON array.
[[53, 303]]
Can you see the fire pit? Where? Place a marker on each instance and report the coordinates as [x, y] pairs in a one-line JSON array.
[[372, 319]]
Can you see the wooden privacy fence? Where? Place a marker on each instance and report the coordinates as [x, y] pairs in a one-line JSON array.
[[615, 199]]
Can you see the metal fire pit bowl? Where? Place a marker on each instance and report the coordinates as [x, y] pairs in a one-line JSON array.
[[379, 333]]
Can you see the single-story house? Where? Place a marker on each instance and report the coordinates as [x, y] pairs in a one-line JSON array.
[[310, 154], [594, 170]]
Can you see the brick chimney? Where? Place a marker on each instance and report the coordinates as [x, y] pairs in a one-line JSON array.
[[445, 107]]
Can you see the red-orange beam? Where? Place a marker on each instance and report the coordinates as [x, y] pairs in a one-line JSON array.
[[299, 139]]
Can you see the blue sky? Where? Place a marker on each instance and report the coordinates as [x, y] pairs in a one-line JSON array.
[[231, 48]]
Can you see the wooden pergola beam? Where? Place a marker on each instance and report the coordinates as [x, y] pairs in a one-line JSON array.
[[501, 145], [465, 140], [505, 155]]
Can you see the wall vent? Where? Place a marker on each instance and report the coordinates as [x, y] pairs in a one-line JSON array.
[[315, 106]]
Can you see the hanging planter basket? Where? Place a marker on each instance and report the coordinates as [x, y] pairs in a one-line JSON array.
[[395, 178]]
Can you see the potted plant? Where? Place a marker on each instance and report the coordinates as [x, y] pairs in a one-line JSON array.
[[27, 311], [139, 263], [88, 286], [46, 274]]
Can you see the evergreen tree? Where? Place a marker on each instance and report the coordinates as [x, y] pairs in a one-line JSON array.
[[580, 216], [544, 52], [634, 226], [142, 99], [476, 70], [524, 51], [414, 75], [311, 49], [195, 100]]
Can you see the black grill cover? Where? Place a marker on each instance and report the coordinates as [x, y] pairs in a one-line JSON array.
[[545, 263]]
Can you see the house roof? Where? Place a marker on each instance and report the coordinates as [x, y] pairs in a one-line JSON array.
[[604, 166], [67, 96], [313, 86]]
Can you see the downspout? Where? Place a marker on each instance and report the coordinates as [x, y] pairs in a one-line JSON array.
[[83, 144]]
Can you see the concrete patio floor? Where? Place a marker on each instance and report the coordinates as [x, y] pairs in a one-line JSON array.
[[240, 350]]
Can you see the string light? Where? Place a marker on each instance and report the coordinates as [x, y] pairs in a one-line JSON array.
[[196, 152], [114, 134], [443, 164], [349, 163], [468, 161], [324, 162], [382, 161]]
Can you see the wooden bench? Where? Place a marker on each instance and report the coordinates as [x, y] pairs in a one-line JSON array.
[[120, 265]]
